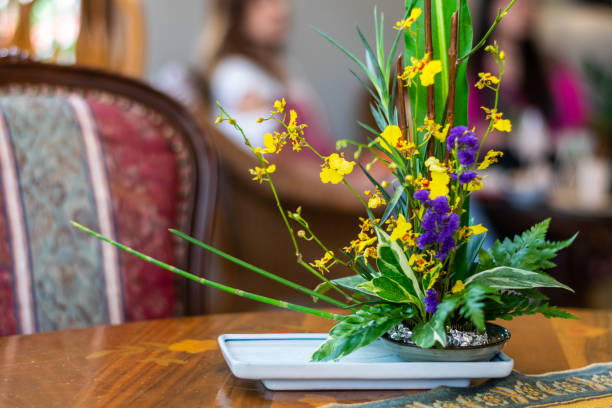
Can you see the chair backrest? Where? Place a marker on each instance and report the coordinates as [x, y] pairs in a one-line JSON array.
[[111, 153]]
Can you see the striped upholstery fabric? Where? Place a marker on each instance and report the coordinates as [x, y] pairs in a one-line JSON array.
[[109, 164]]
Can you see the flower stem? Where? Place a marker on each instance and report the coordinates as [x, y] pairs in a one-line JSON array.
[[482, 42], [255, 269], [206, 282]]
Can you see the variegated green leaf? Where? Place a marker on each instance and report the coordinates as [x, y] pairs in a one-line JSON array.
[[392, 258], [390, 290], [504, 277], [360, 329]]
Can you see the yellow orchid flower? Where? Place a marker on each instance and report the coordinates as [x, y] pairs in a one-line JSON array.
[[279, 106], [335, 168], [476, 184], [486, 79], [429, 71], [376, 199], [391, 135], [406, 24], [370, 252], [260, 172], [402, 227], [503, 125], [477, 229], [435, 130], [491, 157], [321, 264], [438, 186], [425, 67], [458, 287], [419, 263]]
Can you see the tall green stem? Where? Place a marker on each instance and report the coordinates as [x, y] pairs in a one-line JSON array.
[[206, 282], [260, 271], [484, 39]]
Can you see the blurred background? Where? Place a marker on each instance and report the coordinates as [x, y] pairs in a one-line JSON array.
[[557, 91]]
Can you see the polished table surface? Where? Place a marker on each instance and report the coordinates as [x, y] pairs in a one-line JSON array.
[[176, 362]]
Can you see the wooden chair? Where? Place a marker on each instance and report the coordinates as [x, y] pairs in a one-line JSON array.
[[115, 155]]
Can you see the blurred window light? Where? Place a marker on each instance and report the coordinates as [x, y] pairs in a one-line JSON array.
[[9, 17], [55, 29]]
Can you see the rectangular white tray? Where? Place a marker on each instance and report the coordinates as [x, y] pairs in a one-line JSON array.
[[282, 362]]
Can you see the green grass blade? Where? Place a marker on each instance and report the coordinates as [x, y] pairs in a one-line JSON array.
[[350, 55]]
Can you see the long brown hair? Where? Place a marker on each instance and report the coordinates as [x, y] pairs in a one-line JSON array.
[[223, 35]]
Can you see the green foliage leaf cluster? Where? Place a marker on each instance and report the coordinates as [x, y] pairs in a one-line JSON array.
[[529, 251], [523, 302], [360, 329]]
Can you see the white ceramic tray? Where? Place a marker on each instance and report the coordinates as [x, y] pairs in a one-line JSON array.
[[282, 362]]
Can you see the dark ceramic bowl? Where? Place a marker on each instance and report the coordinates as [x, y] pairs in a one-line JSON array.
[[498, 336]]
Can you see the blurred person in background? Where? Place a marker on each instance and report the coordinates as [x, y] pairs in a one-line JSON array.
[[241, 60], [542, 96]]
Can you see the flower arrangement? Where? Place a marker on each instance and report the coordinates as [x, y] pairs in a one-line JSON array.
[[418, 257]]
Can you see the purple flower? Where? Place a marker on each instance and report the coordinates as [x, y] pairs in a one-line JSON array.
[[467, 157], [422, 196], [467, 176], [440, 205], [438, 227], [426, 238], [431, 301], [430, 221], [453, 135], [466, 143], [445, 247], [468, 139]]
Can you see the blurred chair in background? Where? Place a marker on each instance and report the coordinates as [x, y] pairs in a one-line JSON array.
[[108, 34], [117, 156]]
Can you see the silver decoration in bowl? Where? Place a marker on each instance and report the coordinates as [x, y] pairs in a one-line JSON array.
[[461, 345]]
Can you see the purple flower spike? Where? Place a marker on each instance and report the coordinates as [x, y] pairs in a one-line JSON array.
[[453, 135], [440, 205], [431, 301], [467, 157], [467, 176], [422, 196]]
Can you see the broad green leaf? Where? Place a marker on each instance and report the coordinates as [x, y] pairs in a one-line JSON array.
[[391, 253], [504, 277], [388, 289], [360, 329], [353, 283], [465, 32]]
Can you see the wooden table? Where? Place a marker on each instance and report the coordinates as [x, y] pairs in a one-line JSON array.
[[176, 362]]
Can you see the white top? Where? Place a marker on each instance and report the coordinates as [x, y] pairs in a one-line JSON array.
[[234, 78]]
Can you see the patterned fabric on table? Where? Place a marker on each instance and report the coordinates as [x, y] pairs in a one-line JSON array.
[[109, 164], [588, 387]]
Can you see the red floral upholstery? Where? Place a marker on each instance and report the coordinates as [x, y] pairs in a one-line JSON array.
[[113, 164]]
